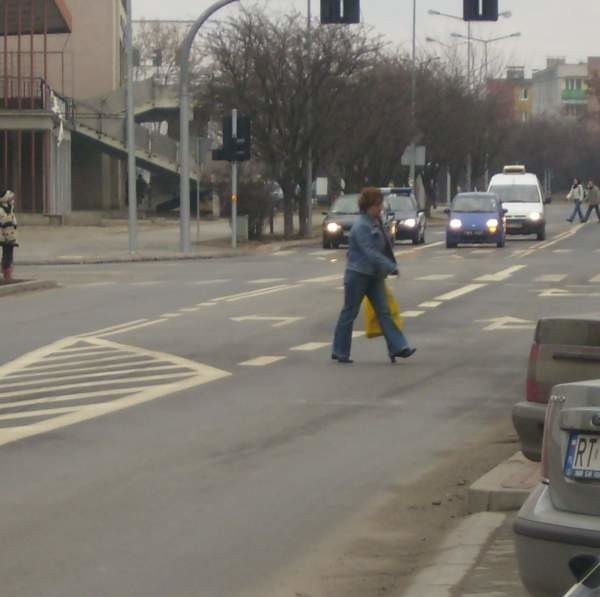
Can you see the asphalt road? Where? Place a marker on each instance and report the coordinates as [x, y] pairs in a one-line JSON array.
[[178, 429]]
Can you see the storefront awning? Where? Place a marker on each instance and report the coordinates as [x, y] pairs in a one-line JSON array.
[[57, 17]]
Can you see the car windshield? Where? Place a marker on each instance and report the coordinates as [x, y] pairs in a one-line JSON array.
[[518, 193], [475, 204], [348, 204], [401, 203]]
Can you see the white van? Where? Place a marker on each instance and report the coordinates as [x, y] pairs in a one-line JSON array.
[[522, 198]]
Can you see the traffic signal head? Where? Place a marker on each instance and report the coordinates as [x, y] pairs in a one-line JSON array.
[[235, 149], [480, 10], [340, 12]]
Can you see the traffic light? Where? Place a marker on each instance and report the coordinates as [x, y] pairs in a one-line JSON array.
[[480, 10], [340, 12], [235, 149]]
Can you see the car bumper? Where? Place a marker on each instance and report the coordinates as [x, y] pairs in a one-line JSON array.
[[403, 233], [547, 539], [340, 237], [528, 420], [524, 226], [475, 237]]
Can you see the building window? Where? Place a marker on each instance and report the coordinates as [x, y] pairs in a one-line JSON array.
[[524, 116], [524, 94]]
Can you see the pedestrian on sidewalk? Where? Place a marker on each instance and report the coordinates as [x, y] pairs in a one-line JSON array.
[[8, 236], [576, 194], [592, 197], [370, 260]]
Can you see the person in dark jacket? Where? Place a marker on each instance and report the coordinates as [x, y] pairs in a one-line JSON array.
[[370, 260], [8, 233], [592, 198]]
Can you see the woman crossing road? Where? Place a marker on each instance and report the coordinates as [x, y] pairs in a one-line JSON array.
[[576, 194], [370, 260]]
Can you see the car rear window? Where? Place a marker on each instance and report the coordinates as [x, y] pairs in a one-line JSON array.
[[574, 332]]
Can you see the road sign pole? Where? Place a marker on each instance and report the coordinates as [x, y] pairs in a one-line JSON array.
[[234, 184], [131, 178]]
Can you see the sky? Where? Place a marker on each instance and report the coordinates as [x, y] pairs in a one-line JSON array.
[[569, 28]]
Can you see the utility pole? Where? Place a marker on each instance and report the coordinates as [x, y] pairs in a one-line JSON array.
[[413, 100], [184, 122], [234, 183], [309, 125], [131, 178]]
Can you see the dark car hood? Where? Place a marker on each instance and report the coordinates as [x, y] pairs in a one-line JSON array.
[[405, 214], [342, 219]]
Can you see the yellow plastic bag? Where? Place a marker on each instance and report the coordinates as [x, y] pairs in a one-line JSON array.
[[372, 327]]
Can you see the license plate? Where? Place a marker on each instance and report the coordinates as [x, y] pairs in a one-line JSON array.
[[583, 457], [515, 225]]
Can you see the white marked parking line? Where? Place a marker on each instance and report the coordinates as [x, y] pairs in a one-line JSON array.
[[550, 278], [261, 361], [459, 292], [502, 275], [310, 346], [435, 277]]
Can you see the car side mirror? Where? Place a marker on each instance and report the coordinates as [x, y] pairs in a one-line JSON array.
[[547, 200], [447, 211]]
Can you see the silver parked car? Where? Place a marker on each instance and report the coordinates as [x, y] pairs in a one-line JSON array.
[[559, 524]]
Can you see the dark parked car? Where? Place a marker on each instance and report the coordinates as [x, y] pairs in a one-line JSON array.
[[339, 220], [406, 221], [564, 349]]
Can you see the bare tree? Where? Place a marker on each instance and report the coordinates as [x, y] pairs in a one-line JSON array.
[[261, 67]]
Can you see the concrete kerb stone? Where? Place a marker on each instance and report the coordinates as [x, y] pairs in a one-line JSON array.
[[505, 487], [456, 556], [27, 286]]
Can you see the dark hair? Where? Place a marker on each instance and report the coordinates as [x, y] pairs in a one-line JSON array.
[[576, 181], [368, 197]]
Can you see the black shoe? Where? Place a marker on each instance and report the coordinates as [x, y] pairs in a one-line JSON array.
[[568, 220], [346, 360], [405, 353]]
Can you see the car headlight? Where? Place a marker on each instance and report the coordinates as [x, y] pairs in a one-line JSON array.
[[535, 216], [410, 223], [332, 227], [492, 223], [455, 224]]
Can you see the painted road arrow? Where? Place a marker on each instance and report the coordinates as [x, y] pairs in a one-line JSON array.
[[279, 321], [507, 323]]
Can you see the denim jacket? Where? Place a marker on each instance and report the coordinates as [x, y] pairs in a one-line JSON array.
[[366, 249]]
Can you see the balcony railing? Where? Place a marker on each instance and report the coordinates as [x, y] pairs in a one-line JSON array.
[[574, 95], [24, 94]]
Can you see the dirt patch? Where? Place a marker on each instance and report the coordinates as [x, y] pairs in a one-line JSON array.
[[381, 549]]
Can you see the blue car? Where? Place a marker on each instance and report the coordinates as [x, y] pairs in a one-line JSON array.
[[476, 218]]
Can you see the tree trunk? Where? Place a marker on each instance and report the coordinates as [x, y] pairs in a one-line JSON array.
[[303, 215], [288, 216]]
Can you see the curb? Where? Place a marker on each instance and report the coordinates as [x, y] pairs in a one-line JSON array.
[[267, 248], [27, 286], [505, 487], [455, 557]]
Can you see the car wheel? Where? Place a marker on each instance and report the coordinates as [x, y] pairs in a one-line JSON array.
[[541, 235], [423, 237], [326, 243]]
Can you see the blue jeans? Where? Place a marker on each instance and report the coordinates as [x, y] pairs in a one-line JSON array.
[[577, 211], [590, 209], [356, 287]]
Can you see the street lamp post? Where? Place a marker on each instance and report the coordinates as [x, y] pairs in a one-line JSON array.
[[309, 121], [184, 122], [130, 127], [413, 100]]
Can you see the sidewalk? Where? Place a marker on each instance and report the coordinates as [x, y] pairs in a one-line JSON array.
[[157, 240], [478, 557]]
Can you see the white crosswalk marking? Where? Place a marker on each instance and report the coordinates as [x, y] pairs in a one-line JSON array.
[[261, 361], [310, 346], [435, 277], [550, 278], [77, 379]]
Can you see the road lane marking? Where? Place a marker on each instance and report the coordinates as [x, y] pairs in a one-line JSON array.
[[112, 327], [131, 328], [58, 365], [550, 278], [207, 304], [595, 279], [284, 253], [170, 315], [554, 241], [562, 251], [209, 282], [261, 361], [279, 321], [507, 323], [267, 281], [502, 275], [412, 314], [331, 278], [430, 305], [189, 310], [41, 371], [435, 277], [148, 283], [240, 296], [310, 346], [448, 296], [134, 390], [359, 334], [417, 249]]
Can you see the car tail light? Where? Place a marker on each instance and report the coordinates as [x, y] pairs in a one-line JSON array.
[[533, 393], [552, 405]]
